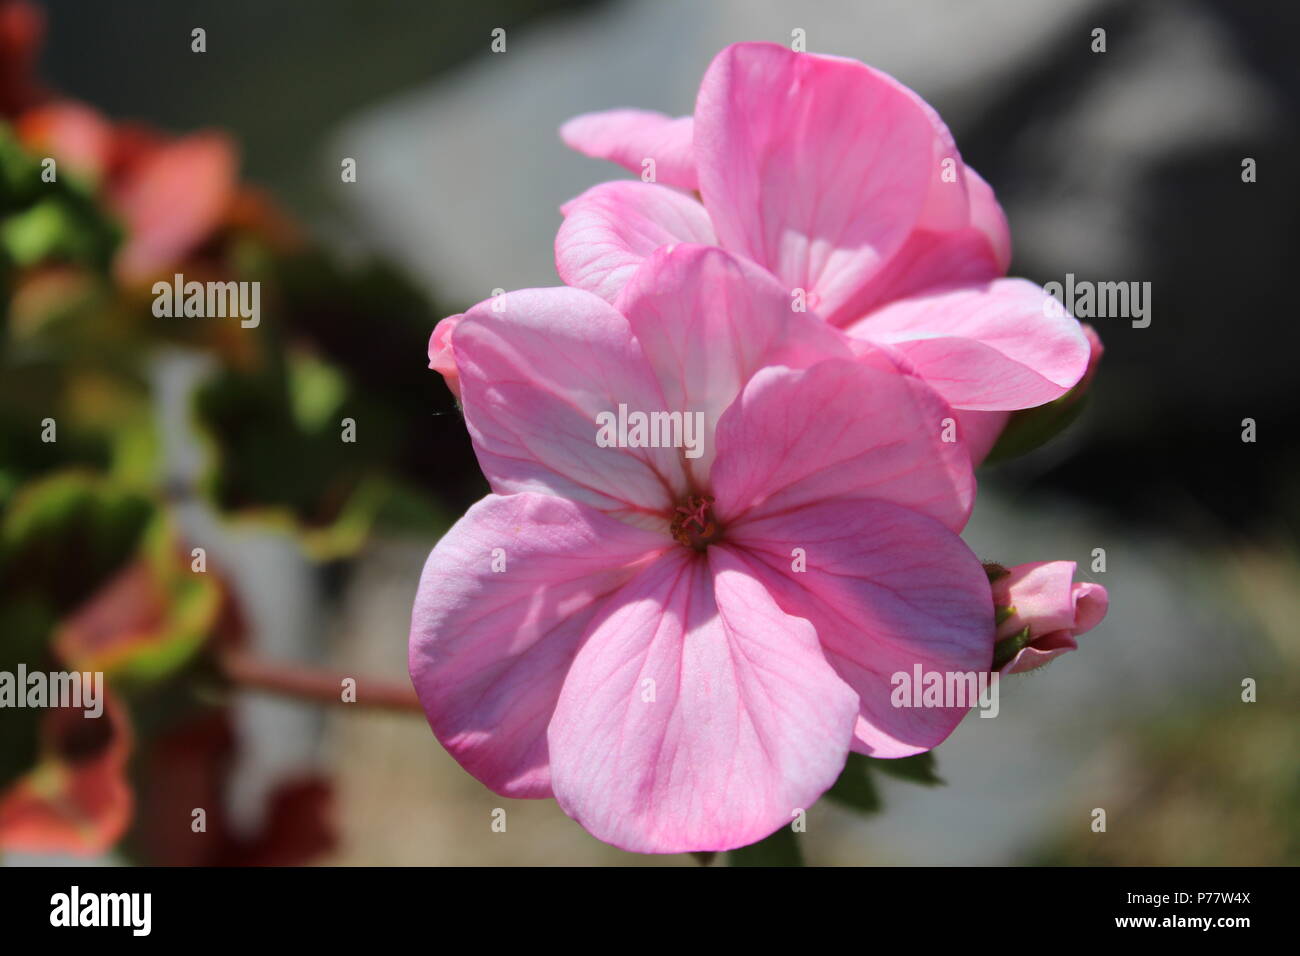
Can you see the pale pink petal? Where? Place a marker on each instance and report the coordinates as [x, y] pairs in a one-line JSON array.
[[1043, 651], [708, 321], [536, 369], [978, 249], [980, 431], [503, 602], [1091, 601], [947, 203], [630, 137], [992, 346], [839, 429], [815, 167], [986, 215], [610, 229], [441, 357], [887, 589], [927, 261], [697, 715]]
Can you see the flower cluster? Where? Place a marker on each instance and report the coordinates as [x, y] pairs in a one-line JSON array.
[[684, 649]]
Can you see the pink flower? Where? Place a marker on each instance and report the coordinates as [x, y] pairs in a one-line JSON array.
[[848, 187], [682, 645], [1045, 612]]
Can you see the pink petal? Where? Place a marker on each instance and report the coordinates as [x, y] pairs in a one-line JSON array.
[[489, 649], [747, 725], [815, 167], [536, 368], [927, 261], [986, 215], [610, 229], [839, 429], [441, 357], [991, 346], [1091, 602], [947, 203], [708, 321], [980, 431], [1042, 651], [630, 137], [173, 202], [976, 250], [887, 589]]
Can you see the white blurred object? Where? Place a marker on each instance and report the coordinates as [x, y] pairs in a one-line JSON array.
[[461, 181]]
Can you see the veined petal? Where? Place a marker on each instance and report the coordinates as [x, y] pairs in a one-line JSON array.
[[630, 137], [536, 370], [887, 589], [610, 229], [839, 429], [707, 321], [697, 715], [815, 167], [503, 602], [927, 261], [993, 346]]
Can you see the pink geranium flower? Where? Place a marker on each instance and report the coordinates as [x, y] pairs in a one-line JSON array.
[[682, 650], [1045, 610], [849, 188]]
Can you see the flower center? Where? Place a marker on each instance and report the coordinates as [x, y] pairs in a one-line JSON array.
[[694, 524]]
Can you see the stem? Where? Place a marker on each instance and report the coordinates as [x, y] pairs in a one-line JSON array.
[[313, 684]]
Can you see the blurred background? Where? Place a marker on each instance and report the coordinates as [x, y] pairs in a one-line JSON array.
[[175, 435]]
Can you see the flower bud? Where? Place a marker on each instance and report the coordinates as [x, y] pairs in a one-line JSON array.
[[1040, 610]]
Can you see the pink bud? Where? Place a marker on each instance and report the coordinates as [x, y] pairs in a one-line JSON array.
[[1043, 598]]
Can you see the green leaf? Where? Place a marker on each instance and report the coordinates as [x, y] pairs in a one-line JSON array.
[[919, 769], [1031, 428], [25, 626], [855, 788], [779, 849], [55, 220], [65, 535], [275, 452]]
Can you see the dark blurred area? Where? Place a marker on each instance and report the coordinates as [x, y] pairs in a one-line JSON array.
[[1164, 446]]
